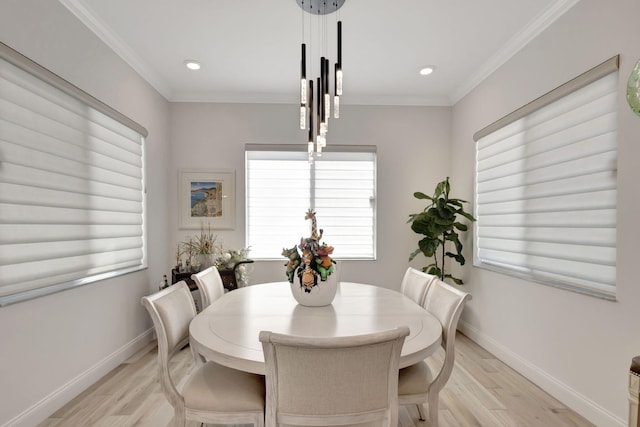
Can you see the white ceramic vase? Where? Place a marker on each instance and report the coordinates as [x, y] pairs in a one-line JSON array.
[[319, 295]]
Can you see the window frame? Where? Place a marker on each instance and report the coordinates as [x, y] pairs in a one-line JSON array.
[[300, 150]]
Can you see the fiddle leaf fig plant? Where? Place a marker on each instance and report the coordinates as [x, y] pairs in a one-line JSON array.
[[439, 223]]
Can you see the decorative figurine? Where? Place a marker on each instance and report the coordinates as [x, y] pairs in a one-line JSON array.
[[310, 261]]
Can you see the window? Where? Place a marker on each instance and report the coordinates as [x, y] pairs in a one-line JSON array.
[[71, 185], [340, 186], [546, 187]]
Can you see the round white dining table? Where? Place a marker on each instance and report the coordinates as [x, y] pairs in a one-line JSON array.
[[227, 331]]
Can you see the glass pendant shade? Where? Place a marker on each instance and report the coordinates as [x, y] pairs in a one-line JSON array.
[[303, 117], [303, 90], [327, 108]]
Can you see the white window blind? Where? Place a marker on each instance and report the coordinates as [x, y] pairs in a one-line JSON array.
[[71, 185], [546, 190], [340, 186]]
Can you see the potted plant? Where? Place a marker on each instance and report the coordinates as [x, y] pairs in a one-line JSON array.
[[439, 223], [200, 249]]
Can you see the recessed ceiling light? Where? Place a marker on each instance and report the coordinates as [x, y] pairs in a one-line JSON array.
[[191, 64], [427, 70]]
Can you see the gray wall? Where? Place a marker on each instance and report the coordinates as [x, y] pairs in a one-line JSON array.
[[413, 155], [53, 347], [579, 348]]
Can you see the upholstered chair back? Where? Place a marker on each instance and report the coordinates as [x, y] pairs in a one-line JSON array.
[[415, 283], [332, 381], [209, 284]]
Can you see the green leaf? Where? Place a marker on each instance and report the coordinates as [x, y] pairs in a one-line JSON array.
[[446, 222], [439, 189], [457, 202], [435, 271], [447, 187], [466, 215], [460, 226], [424, 225], [453, 237], [444, 211], [421, 195], [428, 246], [457, 281], [414, 253]]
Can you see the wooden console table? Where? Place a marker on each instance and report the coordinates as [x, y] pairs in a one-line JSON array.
[[228, 276], [177, 276]]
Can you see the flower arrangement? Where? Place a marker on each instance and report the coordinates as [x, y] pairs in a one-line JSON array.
[[228, 258], [232, 262], [310, 260]]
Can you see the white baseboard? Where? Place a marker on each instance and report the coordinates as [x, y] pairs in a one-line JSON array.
[[65, 393], [561, 391]]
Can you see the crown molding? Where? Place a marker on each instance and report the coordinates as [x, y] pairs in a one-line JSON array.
[[113, 41], [536, 26]]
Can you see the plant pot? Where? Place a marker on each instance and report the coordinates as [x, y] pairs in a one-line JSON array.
[[319, 294], [205, 260]]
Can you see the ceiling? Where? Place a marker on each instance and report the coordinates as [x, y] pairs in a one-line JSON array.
[[250, 49]]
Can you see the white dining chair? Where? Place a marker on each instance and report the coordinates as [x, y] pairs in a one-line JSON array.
[[417, 383], [209, 285], [332, 381], [212, 393], [415, 283]]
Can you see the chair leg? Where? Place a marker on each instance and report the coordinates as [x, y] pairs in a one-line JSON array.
[[421, 411], [432, 399]]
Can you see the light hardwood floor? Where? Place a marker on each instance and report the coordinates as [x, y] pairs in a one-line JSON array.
[[482, 391]]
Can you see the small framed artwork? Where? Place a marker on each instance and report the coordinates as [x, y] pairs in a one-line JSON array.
[[207, 198]]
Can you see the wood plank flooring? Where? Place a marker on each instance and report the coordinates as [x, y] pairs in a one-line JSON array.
[[482, 391]]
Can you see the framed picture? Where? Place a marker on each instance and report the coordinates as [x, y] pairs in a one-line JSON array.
[[207, 198]]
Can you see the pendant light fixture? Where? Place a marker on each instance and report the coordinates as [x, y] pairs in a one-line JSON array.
[[315, 117]]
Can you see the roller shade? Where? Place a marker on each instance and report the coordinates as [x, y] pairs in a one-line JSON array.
[[546, 191], [340, 186], [71, 189]]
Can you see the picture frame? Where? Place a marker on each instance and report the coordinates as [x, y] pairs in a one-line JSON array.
[[206, 198]]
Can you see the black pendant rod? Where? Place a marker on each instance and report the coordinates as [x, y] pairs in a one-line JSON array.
[[340, 44]]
